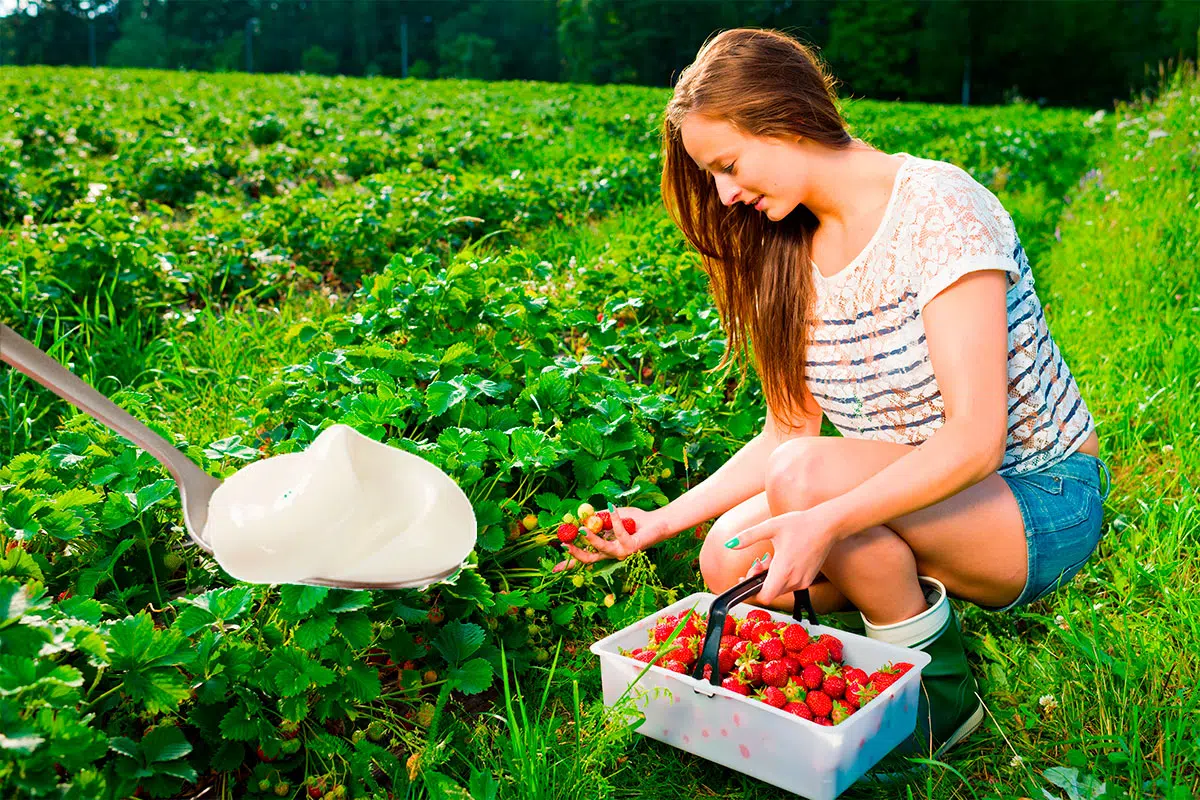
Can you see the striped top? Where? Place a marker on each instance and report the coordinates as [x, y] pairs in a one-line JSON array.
[[868, 362]]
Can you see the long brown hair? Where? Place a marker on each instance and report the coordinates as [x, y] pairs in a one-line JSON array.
[[767, 84]]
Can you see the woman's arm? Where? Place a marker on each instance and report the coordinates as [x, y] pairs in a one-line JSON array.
[[966, 327]]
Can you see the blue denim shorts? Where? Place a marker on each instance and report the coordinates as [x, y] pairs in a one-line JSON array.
[[1062, 506]]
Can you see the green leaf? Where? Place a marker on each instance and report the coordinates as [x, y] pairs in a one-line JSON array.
[[472, 677], [123, 745], [117, 511], [458, 640], [161, 690], [165, 743], [13, 600], [147, 496], [408, 614], [230, 447], [483, 786], [299, 600], [362, 683], [313, 633], [69, 451], [356, 628], [468, 584], [237, 724], [216, 605], [18, 563], [564, 613], [441, 396], [347, 600]]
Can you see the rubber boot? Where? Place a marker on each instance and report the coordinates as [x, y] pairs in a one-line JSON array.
[[949, 708]]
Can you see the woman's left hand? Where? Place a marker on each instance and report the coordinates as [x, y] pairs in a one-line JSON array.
[[801, 540]]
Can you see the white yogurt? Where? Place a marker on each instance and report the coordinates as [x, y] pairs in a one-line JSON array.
[[346, 508]]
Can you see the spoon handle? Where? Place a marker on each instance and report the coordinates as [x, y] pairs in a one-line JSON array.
[[29, 359]]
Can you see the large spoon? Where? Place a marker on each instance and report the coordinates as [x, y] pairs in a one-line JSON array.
[[196, 486]]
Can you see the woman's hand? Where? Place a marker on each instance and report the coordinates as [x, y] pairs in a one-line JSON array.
[[650, 529], [801, 540]]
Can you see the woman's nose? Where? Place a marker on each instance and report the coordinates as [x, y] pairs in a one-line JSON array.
[[727, 190]]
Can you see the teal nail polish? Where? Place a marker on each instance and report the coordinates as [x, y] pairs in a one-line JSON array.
[[732, 542], [611, 510]]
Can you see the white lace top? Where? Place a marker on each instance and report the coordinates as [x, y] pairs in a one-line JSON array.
[[868, 363]]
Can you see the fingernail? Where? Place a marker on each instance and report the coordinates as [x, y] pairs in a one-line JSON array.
[[732, 542], [611, 510]]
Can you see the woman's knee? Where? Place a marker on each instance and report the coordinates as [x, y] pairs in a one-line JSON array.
[[796, 474]]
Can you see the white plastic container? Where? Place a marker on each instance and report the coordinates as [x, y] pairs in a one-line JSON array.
[[751, 737]]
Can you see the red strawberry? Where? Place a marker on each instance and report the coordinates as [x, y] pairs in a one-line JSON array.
[[834, 684], [735, 684], [606, 518], [858, 695], [750, 671], [823, 721], [763, 632], [833, 644], [567, 532], [730, 640], [793, 664], [771, 649], [820, 703], [675, 666], [840, 712], [759, 615], [630, 525], [814, 654], [855, 675], [731, 626], [775, 673], [772, 696], [799, 709], [795, 637], [726, 661], [662, 632], [885, 676], [812, 676], [795, 691], [645, 656], [263, 756], [741, 647], [708, 672], [684, 655]]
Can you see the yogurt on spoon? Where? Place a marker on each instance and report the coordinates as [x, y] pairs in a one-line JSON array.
[[346, 508]]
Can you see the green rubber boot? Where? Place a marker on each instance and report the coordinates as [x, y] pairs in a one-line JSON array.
[[949, 708]]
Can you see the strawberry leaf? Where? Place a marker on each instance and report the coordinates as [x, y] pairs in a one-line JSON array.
[[458, 640], [472, 677]]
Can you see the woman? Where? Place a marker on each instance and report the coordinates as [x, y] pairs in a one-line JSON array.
[[892, 294]]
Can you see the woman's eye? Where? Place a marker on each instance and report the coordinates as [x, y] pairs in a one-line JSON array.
[[728, 168]]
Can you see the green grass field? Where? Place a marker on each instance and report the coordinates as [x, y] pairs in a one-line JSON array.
[[243, 260]]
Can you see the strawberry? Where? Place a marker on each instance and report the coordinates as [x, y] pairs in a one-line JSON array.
[[795, 691], [812, 676], [676, 666], [684, 655], [854, 675], [263, 756], [772, 696], [567, 532], [606, 518], [834, 684], [645, 656], [814, 654], [630, 525], [774, 673], [885, 676], [840, 712], [729, 640], [708, 672], [823, 721], [795, 637], [731, 626], [741, 647], [820, 703], [662, 631], [759, 615], [793, 664], [735, 684], [726, 661], [833, 644], [750, 671], [763, 632], [799, 709], [771, 649]]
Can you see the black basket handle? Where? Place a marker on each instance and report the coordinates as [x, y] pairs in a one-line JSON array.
[[720, 609]]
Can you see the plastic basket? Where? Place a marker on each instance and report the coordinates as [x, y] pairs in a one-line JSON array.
[[703, 718]]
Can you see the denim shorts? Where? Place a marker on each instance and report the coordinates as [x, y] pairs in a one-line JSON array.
[[1062, 506]]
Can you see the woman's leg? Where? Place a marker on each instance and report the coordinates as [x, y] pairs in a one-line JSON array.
[[973, 542]]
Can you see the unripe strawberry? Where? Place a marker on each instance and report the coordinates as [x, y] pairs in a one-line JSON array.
[[577, 580], [172, 561], [569, 518], [436, 616], [282, 789], [595, 524], [530, 521], [585, 510], [609, 600], [430, 676], [264, 785]]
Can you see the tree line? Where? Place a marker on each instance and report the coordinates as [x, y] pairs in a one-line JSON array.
[[1055, 52]]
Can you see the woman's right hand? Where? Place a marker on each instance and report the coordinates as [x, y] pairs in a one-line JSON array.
[[650, 528]]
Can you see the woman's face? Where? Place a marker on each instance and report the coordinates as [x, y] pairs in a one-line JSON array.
[[759, 172]]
